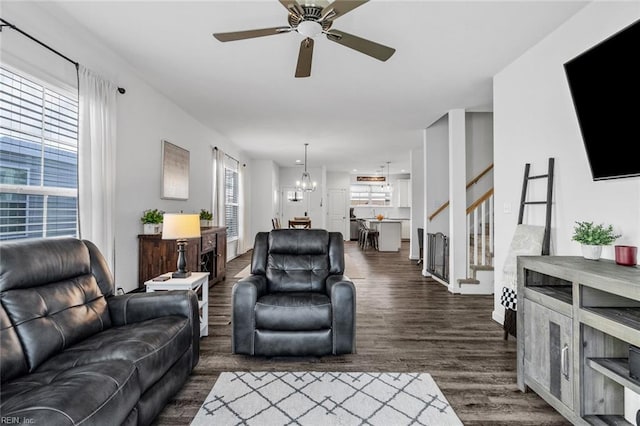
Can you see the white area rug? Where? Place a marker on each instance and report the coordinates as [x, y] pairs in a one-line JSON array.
[[325, 398]]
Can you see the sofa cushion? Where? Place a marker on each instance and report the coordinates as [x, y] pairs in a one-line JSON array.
[[13, 362], [153, 346], [103, 393], [298, 260], [32, 263], [293, 311], [52, 317]]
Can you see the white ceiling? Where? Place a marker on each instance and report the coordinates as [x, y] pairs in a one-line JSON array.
[[354, 111]]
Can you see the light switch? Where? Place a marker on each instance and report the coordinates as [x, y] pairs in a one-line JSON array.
[[506, 208]]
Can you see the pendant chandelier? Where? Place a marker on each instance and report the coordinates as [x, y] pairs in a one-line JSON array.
[[305, 183], [388, 187]]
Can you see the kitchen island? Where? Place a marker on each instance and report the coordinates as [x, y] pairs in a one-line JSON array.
[[389, 233]]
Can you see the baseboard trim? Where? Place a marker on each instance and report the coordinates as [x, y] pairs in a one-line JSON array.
[[498, 316]]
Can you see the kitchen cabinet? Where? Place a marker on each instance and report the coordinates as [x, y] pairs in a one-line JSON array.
[[205, 254], [406, 229], [389, 233], [403, 193]]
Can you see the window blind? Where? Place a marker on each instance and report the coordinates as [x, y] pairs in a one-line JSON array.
[[38, 159], [231, 196]]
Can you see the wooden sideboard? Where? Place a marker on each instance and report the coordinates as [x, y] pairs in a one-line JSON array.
[[205, 254], [576, 320]]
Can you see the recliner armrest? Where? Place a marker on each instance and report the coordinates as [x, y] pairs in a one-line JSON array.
[[244, 295], [137, 307], [342, 293]]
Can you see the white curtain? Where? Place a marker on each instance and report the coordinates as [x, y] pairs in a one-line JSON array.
[[241, 209], [97, 162], [219, 211]]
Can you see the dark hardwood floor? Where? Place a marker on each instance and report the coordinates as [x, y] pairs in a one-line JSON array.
[[405, 323]]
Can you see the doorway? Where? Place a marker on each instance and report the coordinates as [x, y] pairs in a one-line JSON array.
[[337, 212]]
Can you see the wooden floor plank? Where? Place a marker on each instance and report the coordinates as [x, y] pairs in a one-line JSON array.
[[405, 323]]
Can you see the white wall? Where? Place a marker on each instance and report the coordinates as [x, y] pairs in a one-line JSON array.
[[534, 119], [437, 169], [145, 117], [265, 192], [479, 132]]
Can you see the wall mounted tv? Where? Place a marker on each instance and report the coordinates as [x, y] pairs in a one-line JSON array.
[[604, 82]]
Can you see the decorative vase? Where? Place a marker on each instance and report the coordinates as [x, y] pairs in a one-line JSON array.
[[591, 252], [626, 255], [206, 223], [150, 228]]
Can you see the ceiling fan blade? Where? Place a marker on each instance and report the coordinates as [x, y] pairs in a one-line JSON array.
[[241, 35], [339, 8], [303, 69], [293, 7], [368, 47]]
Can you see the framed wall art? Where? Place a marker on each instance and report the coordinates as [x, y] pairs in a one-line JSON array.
[[175, 172]]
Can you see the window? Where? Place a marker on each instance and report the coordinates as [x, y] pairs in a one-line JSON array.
[[231, 194], [38, 159], [370, 195]]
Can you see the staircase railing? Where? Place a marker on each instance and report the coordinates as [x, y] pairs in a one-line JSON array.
[[480, 233], [469, 185]]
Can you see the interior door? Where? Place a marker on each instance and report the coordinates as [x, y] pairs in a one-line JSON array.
[[337, 212]]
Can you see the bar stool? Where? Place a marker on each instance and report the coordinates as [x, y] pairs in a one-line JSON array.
[[362, 233], [372, 237]]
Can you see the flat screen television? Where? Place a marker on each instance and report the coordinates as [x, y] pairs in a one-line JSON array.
[[604, 82]]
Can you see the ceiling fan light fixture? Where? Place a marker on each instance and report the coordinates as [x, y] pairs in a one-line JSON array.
[[309, 28], [311, 18]]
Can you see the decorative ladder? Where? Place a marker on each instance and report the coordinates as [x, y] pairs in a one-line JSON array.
[[509, 325]]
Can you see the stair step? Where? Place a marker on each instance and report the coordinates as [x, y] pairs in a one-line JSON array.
[[468, 281]]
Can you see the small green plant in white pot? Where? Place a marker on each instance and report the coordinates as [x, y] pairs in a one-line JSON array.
[[592, 237], [151, 221], [206, 218]]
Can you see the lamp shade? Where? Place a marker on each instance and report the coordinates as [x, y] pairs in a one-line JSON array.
[[180, 226]]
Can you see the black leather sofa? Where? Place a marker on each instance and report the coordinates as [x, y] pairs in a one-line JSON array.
[[75, 353], [296, 302]]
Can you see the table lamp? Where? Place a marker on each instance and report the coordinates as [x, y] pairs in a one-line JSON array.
[[180, 227]]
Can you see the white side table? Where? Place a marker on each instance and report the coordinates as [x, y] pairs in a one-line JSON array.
[[194, 282]]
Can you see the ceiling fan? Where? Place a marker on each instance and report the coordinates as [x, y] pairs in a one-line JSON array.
[[310, 18]]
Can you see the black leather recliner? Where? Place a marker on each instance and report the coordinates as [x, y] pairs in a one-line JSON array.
[[296, 302], [75, 353]]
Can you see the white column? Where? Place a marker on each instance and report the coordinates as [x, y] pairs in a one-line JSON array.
[[417, 190], [425, 221], [457, 198]]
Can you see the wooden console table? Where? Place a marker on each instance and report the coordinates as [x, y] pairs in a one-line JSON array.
[[205, 254]]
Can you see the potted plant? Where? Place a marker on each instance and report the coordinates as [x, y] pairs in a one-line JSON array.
[[592, 237], [151, 220], [206, 218]]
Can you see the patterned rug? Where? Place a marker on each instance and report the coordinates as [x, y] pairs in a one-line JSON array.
[[325, 398]]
